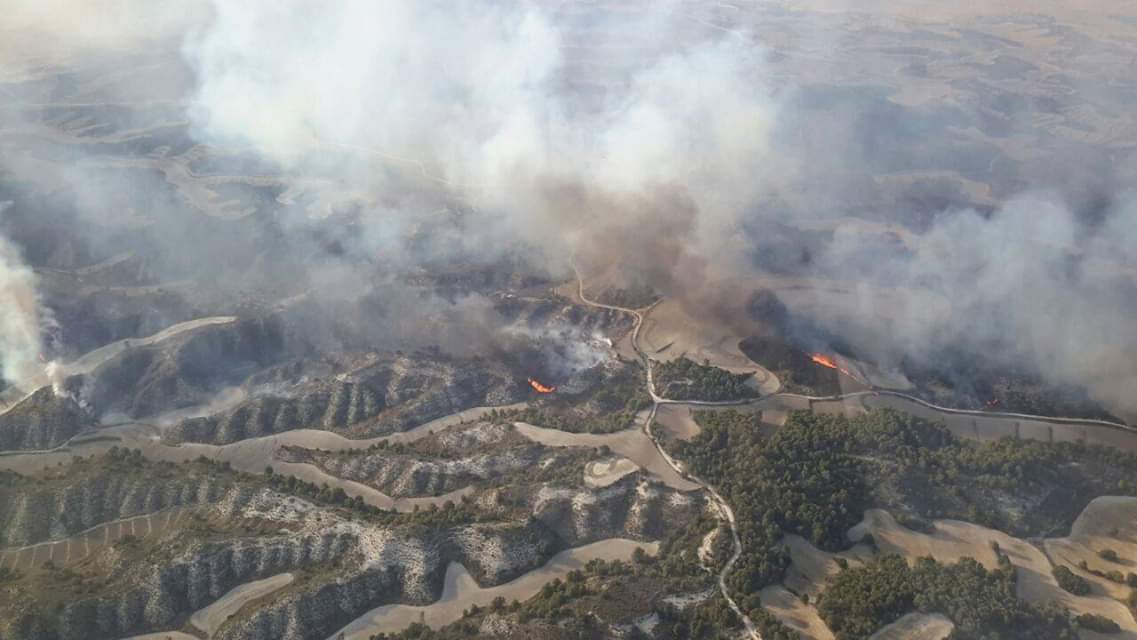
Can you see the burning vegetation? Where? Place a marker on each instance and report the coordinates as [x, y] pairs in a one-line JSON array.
[[824, 360], [601, 400], [831, 362], [540, 388]]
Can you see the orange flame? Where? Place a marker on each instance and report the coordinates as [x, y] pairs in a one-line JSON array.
[[826, 361], [540, 388]]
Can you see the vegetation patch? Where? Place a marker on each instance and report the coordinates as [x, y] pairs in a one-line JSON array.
[[817, 475], [1071, 581], [981, 603], [685, 379], [608, 406], [1098, 624]]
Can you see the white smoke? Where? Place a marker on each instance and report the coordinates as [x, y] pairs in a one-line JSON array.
[[1030, 283], [662, 149], [35, 33], [473, 95], [657, 167], [21, 319], [565, 348]]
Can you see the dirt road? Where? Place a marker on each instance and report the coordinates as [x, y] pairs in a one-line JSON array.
[[721, 505]]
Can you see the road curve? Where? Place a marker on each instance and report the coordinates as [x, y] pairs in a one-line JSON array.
[[720, 504]]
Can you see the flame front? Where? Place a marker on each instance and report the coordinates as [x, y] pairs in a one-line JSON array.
[[540, 388], [824, 360], [827, 361]]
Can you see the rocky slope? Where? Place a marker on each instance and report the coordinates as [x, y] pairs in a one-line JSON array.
[[384, 397], [161, 594], [29, 515], [352, 567], [397, 567], [346, 563], [438, 464], [411, 569], [632, 507], [43, 420]]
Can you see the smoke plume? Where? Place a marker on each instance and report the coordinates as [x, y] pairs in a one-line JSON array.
[[21, 319], [382, 143], [1030, 286], [662, 161]]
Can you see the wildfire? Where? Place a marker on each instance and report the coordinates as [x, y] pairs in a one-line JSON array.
[[824, 360], [827, 361], [540, 388]]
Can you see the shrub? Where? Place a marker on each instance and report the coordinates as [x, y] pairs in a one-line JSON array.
[[916, 524], [1100, 624], [982, 603], [1071, 581]]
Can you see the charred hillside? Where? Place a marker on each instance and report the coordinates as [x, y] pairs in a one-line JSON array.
[[186, 369], [43, 420], [381, 398]]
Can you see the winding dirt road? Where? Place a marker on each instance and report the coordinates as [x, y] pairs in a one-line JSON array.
[[720, 504]]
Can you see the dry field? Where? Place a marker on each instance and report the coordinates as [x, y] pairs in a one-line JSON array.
[[210, 619], [953, 540], [632, 444], [1108, 522], [809, 571], [602, 473], [916, 626]]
